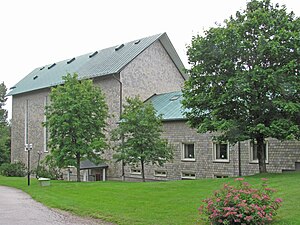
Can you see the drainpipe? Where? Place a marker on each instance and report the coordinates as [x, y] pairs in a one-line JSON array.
[[121, 105], [239, 156]]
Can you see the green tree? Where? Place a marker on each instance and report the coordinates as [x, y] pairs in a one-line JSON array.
[[139, 133], [76, 119], [244, 78], [4, 128]]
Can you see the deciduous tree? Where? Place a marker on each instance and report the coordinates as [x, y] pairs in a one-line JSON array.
[[4, 128], [139, 135], [76, 119], [244, 78]]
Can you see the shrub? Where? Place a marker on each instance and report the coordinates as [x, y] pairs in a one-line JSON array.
[[241, 205], [48, 172], [48, 168], [13, 170]]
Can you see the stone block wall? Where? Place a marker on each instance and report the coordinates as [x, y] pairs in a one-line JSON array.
[[151, 72], [35, 101], [281, 156]]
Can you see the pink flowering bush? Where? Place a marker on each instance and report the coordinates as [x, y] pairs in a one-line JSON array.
[[241, 204]]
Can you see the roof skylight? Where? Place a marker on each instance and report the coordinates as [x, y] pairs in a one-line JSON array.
[[175, 97], [71, 60], [119, 47], [49, 67], [92, 55]]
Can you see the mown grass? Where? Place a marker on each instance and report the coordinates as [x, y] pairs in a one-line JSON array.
[[173, 202]]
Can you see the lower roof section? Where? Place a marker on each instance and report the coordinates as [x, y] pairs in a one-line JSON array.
[[168, 105], [87, 164]]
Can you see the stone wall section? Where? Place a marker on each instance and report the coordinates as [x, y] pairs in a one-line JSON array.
[[282, 156], [152, 72], [36, 101]]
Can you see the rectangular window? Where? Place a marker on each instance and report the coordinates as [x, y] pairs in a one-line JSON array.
[[188, 176], [188, 152], [159, 173], [221, 152], [46, 135], [253, 152], [26, 117], [136, 171], [221, 176]]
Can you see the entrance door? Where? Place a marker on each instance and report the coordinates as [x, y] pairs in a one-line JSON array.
[[99, 177]]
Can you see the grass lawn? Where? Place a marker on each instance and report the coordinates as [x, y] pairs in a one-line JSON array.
[[173, 202]]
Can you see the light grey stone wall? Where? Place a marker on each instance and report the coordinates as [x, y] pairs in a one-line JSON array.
[[152, 72], [36, 101], [282, 156], [111, 89]]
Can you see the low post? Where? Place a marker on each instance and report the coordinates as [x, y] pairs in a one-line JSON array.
[[28, 148]]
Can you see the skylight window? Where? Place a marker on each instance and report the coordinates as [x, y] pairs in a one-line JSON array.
[[36, 76], [92, 55], [175, 97], [12, 87], [136, 42], [119, 47], [42, 68], [51, 66], [71, 60]]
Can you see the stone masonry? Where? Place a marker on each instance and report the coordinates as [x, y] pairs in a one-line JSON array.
[[282, 156], [150, 72]]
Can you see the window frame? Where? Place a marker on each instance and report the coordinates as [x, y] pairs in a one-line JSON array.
[[251, 144], [187, 175], [215, 152], [183, 148], [159, 173], [134, 171]]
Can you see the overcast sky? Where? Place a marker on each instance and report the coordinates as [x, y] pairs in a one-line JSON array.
[[35, 33]]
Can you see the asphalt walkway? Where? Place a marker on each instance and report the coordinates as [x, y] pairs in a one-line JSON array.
[[18, 208]]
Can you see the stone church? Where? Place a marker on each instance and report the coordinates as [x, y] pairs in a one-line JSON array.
[[151, 68]]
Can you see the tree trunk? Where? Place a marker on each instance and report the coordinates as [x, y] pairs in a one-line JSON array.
[[143, 172], [261, 154], [78, 166]]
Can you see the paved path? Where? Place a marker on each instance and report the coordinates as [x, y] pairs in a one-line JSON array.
[[18, 208]]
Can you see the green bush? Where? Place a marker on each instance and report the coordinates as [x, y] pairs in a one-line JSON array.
[[48, 172], [48, 169], [13, 169]]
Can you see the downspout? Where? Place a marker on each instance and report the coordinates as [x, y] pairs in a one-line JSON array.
[[239, 159], [121, 105], [120, 93]]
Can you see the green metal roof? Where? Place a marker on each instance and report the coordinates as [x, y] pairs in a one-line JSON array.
[[168, 105], [87, 164], [100, 63]]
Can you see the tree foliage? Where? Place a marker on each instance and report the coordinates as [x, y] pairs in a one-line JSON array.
[[4, 128], [244, 77], [139, 133], [76, 119]]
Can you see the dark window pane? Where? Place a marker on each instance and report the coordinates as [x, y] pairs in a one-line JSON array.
[[189, 151], [221, 151]]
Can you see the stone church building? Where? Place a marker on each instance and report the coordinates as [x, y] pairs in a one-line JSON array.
[[151, 68]]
